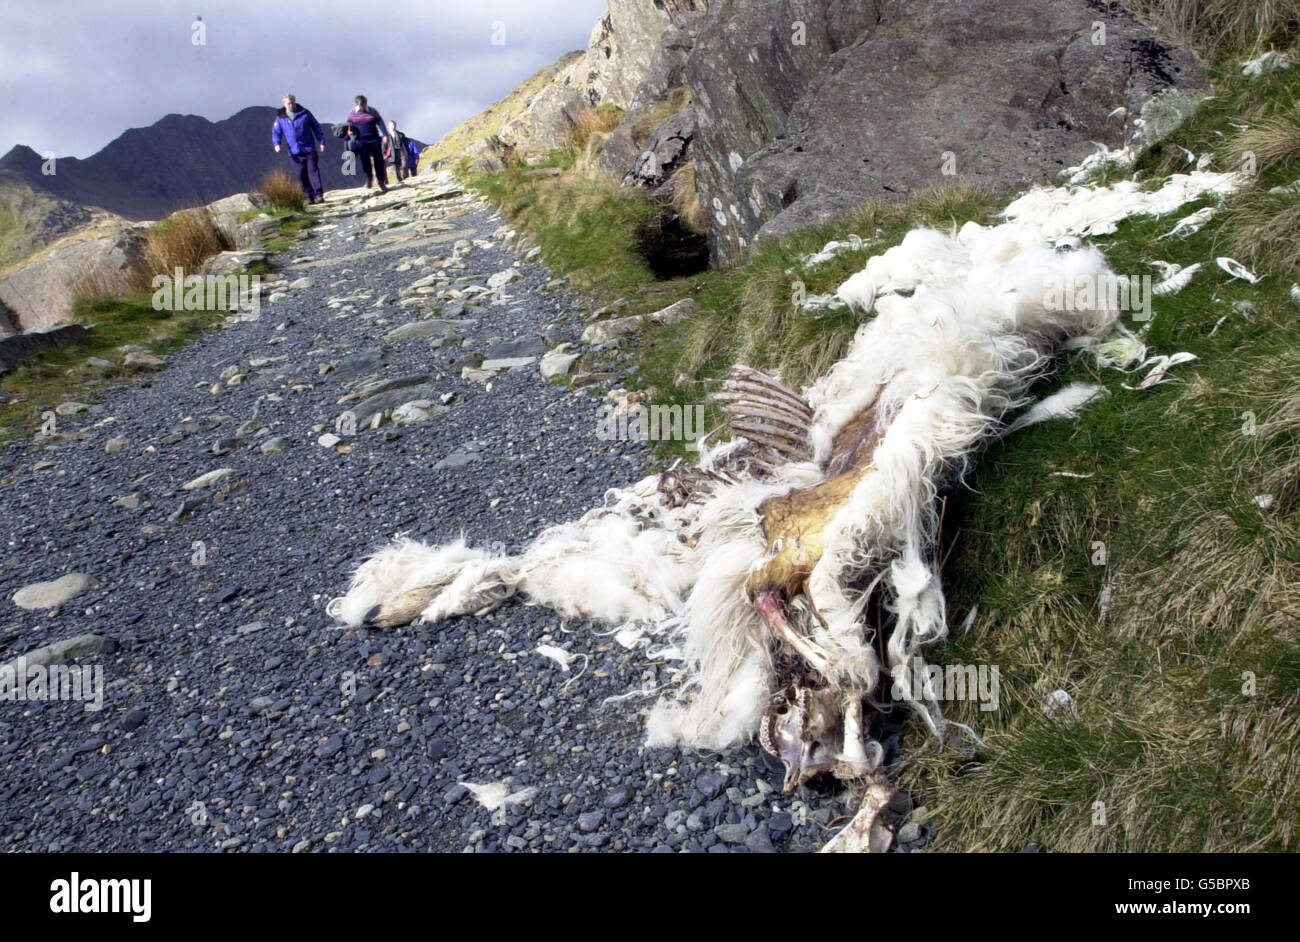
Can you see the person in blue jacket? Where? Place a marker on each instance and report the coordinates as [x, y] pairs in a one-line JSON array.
[[371, 136], [297, 128], [413, 165]]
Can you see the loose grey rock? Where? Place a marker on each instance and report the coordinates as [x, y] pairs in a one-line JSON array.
[[54, 593], [209, 479]]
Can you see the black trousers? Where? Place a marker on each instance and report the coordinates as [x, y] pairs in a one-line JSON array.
[[370, 154], [401, 161], [308, 174]]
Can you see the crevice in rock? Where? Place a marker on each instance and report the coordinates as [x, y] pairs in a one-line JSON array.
[[671, 249]]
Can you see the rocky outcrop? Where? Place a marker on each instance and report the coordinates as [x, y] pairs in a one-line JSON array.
[[17, 347], [622, 48], [226, 213], [39, 294], [666, 71], [627, 63], [668, 149], [546, 122], [805, 109]]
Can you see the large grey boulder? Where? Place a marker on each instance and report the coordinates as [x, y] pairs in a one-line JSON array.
[[805, 109], [226, 213], [40, 294]]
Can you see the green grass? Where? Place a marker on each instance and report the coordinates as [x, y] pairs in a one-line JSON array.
[[290, 225], [57, 375]]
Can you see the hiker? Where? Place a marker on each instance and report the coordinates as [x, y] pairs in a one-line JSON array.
[[371, 138], [301, 132], [352, 144], [413, 167], [398, 152]]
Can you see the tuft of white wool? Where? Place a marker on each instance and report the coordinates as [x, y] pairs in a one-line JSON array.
[[404, 574], [1269, 61], [1175, 279], [558, 655], [1160, 365], [833, 248], [1191, 223], [1086, 211], [1066, 403], [963, 324], [1236, 269], [497, 796]]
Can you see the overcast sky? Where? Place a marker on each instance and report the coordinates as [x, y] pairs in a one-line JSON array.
[[77, 73]]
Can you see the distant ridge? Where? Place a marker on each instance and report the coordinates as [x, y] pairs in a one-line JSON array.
[[178, 161]]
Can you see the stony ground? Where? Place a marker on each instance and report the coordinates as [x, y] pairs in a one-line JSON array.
[[236, 714]]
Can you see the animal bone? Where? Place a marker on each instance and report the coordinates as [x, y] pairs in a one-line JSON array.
[[866, 833]]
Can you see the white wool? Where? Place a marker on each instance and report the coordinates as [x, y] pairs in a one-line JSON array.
[[1160, 365], [1191, 223], [495, 795], [1175, 280], [558, 655], [1123, 351], [823, 302], [833, 248], [1063, 404], [629, 637], [1058, 211], [1236, 269], [608, 567], [858, 292], [963, 324], [406, 567], [1100, 161], [1269, 61]]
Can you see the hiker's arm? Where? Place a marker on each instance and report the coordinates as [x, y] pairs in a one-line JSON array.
[[383, 128], [314, 126], [276, 135]]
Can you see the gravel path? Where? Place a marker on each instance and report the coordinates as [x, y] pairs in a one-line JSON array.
[[236, 714]]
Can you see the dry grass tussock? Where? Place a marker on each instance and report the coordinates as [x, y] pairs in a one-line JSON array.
[[283, 191]]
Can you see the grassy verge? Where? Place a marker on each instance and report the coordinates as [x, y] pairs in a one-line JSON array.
[[1156, 591], [57, 375], [49, 377]]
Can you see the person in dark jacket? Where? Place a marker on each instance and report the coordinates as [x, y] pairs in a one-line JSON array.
[[414, 150], [371, 136], [298, 129], [352, 143], [398, 152]]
